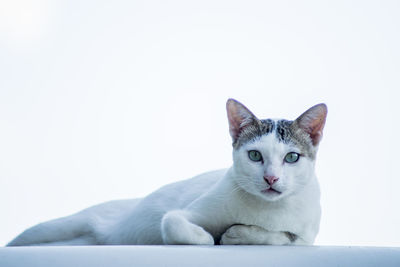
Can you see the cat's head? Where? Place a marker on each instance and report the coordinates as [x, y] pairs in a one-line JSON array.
[[274, 158]]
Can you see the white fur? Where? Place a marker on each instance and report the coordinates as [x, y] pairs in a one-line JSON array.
[[205, 208]]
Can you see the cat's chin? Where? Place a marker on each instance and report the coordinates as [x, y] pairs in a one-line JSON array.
[[271, 191], [271, 194]]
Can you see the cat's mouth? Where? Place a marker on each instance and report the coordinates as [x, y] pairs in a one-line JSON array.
[[270, 191]]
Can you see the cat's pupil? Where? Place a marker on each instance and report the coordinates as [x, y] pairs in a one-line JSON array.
[[292, 157], [255, 155]]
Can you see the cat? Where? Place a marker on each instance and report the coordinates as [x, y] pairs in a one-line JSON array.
[[269, 196]]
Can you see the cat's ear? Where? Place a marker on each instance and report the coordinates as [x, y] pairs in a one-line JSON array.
[[313, 121], [239, 117]]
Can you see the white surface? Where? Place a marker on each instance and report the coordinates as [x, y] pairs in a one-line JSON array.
[[103, 100], [118, 256]]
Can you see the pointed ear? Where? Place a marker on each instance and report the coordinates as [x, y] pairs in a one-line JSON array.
[[313, 121], [239, 117]]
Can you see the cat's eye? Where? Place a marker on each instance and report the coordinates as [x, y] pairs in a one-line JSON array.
[[255, 155], [292, 157]]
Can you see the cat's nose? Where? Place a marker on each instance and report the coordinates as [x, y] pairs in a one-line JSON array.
[[271, 179]]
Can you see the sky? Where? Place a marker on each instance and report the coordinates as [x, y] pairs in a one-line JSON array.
[[105, 100]]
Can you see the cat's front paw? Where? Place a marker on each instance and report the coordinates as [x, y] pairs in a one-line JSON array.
[[177, 230], [252, 235]]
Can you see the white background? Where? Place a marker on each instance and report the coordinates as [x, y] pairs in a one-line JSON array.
[[105, 100]]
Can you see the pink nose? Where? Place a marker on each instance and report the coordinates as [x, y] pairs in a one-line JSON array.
[[271, 179]]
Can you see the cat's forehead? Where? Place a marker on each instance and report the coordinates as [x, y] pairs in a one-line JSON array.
[[259, 128], [280, 131]]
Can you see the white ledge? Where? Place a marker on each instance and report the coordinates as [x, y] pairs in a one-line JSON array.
[[118, 256]]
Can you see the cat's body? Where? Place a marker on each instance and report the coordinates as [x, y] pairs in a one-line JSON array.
[[269, 196]]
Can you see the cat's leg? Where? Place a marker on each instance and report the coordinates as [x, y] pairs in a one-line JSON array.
[[255, 235], [177, 229], [58, 230]]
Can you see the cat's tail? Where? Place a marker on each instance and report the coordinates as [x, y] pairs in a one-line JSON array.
[[70, 230]]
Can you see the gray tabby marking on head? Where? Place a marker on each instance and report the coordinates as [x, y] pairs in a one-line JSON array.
[[253, 131], [288, 132], [285, 132]]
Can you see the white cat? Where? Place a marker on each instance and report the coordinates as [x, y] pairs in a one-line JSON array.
[[269, 196]]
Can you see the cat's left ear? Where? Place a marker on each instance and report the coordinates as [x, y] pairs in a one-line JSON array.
[[313, 121], [239, 117]]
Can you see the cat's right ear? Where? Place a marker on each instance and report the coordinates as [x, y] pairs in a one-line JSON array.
[[239, 117], [313, 121]]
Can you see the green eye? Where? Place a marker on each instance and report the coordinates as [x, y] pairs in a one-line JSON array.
[[255, 155], [292, 157]]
